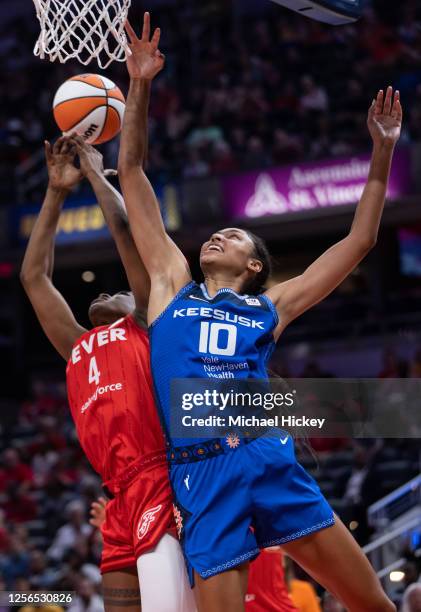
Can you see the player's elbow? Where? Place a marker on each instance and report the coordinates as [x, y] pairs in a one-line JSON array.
[[29, 276], [25, 276], [127, 164], [364, 243], [368, 243]]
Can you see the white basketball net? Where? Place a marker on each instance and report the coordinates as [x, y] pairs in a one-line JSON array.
[[82, 29]]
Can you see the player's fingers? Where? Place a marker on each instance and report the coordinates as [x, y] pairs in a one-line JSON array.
[[78, 141], [155, 39], [47, 148], [102, 500], [146, 31], [76, 145], [58, 145], [397, 108], [130, 32], [65, 146], [388, 101], [74, 136], [379, 102], [399, 111]]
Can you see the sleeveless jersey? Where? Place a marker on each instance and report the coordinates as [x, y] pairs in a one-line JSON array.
[[109, 386], [267, 590], [229, 336]]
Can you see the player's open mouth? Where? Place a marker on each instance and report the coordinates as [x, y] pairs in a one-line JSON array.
[[215, 247]]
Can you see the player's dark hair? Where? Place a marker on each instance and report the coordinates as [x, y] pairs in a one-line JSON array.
[[256, 285]]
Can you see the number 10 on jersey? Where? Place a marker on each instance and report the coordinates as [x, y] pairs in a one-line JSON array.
[[217, 339]]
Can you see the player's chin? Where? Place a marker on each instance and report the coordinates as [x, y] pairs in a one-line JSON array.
[[209, 257]]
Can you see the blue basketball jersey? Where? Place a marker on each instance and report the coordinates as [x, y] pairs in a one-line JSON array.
[[223, 485], [228, 336]]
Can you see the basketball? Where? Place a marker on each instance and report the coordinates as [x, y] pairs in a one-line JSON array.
[[91, 105]]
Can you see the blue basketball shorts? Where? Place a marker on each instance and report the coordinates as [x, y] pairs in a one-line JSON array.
[[231, 504]]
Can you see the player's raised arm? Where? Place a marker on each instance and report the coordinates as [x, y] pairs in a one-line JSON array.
[[52, 310], [295, 296], [114, 211], [167, 267]]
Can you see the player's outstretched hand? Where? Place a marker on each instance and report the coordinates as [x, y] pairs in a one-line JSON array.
[[90, 158], [146, 60], [98, 512], [60, 157], [385, 118]]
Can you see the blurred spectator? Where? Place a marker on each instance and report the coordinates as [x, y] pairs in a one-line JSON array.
[[42, 577], [223, 159], [14, 471], [3, 587], [86, 599], [255, 155], [362, 489], [4, 535], [411, 601], [411, 570], [195, 167], [19, 506], [70, 533], [304, 596], [218, 89], [286, 148], [15, 563], [314, 97], [205, 133]]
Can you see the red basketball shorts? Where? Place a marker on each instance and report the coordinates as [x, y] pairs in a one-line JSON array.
[[138, 516]]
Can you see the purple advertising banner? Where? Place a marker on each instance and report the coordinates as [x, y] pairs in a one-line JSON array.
[[308, 187]]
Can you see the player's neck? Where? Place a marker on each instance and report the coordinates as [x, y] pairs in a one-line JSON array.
[[215, 282]]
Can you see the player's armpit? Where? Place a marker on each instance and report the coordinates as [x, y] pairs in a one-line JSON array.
[[163, 291], [54, 314]]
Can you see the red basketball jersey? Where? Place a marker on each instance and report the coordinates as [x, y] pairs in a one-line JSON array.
[[109, 386], [267, 591]]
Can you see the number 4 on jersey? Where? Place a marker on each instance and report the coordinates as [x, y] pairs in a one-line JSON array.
[[94, 373]]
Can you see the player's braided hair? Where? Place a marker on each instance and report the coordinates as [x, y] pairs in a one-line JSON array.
[[256, 285]]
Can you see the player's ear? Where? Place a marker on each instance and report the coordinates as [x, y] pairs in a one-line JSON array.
[[255, 266]]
